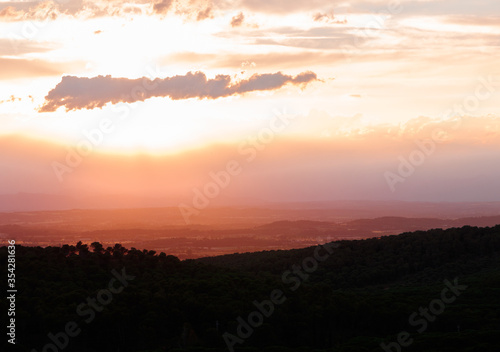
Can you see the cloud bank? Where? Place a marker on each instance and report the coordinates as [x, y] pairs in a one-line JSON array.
[[203, 9], [76, 93]]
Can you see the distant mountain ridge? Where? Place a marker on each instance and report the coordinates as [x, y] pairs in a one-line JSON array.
[[386, 223]]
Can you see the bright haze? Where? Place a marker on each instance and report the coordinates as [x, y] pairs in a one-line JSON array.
[[282, 101]]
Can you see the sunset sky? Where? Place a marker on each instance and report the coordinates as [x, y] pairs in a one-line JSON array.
[[314, 100]]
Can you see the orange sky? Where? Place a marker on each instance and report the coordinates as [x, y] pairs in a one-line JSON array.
[[314, 100]]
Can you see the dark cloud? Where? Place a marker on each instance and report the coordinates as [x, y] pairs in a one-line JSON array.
[[162, 6], [76, 93], [51, 9], [323, 16], [40, 10], [237, 20], [202, 9], [203, 15], [193, 9], [328, 18]]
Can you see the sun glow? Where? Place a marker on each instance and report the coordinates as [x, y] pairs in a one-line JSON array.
[[353, 75]]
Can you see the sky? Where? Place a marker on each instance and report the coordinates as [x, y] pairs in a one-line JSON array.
[[284, 100]]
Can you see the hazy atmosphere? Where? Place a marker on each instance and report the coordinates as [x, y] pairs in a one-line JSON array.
[[250, 175], [314, 100]]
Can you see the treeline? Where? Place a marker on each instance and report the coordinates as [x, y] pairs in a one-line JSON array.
[[358, 295], [419, 257]]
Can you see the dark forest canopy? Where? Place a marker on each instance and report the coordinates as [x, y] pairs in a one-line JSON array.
[[361, 294]]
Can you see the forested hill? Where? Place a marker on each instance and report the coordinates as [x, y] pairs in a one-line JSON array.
[[421, 256], [344, 296]]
